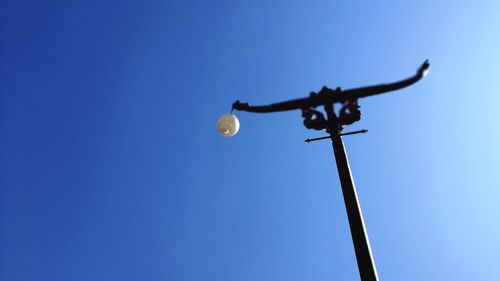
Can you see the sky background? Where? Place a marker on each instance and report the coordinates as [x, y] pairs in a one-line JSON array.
[[111, 167]]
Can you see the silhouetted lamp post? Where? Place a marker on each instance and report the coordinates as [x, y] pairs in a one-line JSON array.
[[228, 125]]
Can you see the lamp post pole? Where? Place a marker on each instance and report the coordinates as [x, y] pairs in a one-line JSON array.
[[228, 125], [364, 258]]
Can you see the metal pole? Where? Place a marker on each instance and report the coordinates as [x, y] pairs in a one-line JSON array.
[[366, 264], [315, 120]]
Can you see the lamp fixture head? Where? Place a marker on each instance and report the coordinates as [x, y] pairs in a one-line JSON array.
[[228, 125]]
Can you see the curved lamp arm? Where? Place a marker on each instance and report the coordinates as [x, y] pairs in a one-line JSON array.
[[326, 95]]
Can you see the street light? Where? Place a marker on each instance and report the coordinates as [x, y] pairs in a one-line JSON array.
[[333, 123], [228, 125]]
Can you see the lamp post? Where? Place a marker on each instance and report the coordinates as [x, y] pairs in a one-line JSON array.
[[228, 125]]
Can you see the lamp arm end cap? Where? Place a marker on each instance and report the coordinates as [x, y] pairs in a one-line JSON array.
[[424, 68], [240, 106]]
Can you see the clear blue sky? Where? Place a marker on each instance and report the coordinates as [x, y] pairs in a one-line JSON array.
[[111, 167]]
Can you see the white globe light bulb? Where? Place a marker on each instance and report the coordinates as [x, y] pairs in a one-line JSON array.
[[228, 125]]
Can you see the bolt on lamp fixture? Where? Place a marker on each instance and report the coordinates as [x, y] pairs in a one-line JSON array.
[[228, 125]]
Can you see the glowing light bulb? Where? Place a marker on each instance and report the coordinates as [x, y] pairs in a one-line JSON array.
[[228, 125]]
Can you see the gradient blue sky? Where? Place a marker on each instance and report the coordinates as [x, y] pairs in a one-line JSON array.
[[111, 167]]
